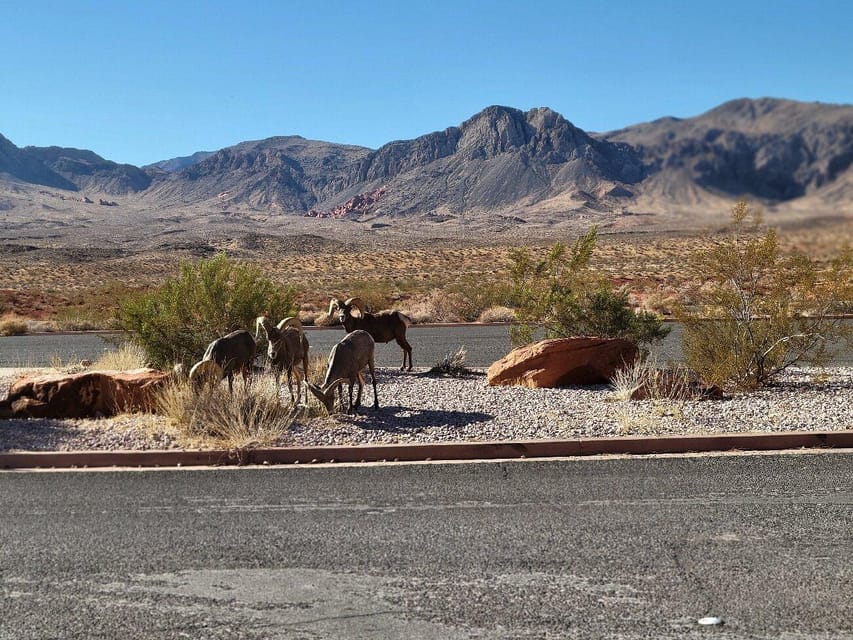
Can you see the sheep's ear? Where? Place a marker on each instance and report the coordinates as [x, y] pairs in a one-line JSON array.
[[334, 303]]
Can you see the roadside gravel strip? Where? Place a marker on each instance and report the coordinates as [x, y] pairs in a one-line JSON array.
[[422, 410]]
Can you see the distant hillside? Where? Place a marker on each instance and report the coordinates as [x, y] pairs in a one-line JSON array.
[[772, 149], [176, 164], [20, 165], [89, 171], [501, 163]]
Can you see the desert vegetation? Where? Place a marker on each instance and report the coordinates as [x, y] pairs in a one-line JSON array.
[[175, 321], [754, 311], [564, 296]]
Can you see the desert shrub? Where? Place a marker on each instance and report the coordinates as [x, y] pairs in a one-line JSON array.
[[564, 296], [472, 294], [497, 314], [129, 355], [674, 384], [452, 365], [757, 311], [175, 322], [254, 416], [77, 320], [13, 326], [436, 306]]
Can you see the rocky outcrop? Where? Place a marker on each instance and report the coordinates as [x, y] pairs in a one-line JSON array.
[[563, 362], [352, 208], [83, 395]]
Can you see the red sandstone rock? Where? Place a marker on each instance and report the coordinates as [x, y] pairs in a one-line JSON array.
[[81, 395], [563, 362]]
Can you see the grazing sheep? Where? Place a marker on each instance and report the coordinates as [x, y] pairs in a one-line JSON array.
[[346, 363], [234, 352], [286, 347], [383, 326]]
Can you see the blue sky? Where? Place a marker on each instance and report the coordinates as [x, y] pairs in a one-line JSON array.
[[144, 81]]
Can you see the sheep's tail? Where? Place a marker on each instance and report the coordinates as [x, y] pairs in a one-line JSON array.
[[406, 319]]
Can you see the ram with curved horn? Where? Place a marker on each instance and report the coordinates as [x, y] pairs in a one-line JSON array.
[[287, 347], [383, 326]]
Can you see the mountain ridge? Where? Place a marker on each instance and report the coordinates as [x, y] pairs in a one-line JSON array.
[[501, 163]]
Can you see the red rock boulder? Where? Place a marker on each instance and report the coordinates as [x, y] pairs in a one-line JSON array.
[[563, 362], [83, 395]]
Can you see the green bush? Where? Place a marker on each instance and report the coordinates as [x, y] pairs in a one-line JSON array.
[[564, 296], [175, 322], [756, 311]]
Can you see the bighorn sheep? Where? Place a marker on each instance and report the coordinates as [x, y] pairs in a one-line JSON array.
[[383, 326], [347, 360], [234, 352], [287, 346]]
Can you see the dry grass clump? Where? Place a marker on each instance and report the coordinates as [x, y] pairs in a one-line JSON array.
[[437, 306], [645, 378], [497, 314], [255, 416], [452, 365], [12, 326], [128, 356], [323, 319]]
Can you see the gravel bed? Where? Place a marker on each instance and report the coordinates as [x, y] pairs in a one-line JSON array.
[[417, 408]]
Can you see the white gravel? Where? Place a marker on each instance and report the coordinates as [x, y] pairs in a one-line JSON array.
[[417, 408]]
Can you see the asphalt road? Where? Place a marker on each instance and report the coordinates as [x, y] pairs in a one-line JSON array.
[[430, 343], [582, 548]]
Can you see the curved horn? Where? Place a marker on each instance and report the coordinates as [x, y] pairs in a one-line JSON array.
[[205, 370], [290, 321], [356, 303]]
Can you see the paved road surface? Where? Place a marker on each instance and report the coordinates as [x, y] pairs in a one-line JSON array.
[[586, 548], [484, 344]]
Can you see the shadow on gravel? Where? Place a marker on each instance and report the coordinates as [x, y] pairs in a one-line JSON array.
[[405, 419]]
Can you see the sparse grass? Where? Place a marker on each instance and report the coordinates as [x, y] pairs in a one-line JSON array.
[[497, 314], [128, 356], [254, 417], [12, 326], [660, 384], [452, 365], [651, 265]]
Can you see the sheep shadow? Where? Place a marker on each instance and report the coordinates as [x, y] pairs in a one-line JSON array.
[[397, 419]]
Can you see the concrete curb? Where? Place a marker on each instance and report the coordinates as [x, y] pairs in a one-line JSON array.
[[424, 452]]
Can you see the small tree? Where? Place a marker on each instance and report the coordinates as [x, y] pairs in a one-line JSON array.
[[566, 297], [756, 311], [175, 322]]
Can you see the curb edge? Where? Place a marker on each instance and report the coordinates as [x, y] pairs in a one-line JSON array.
[[452, 451]]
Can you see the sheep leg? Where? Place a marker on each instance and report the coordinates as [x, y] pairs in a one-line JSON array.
[[360, 380], [290, 385], [350, 407], [407, 352], [298, 377], [373, 380], [341, 396]]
